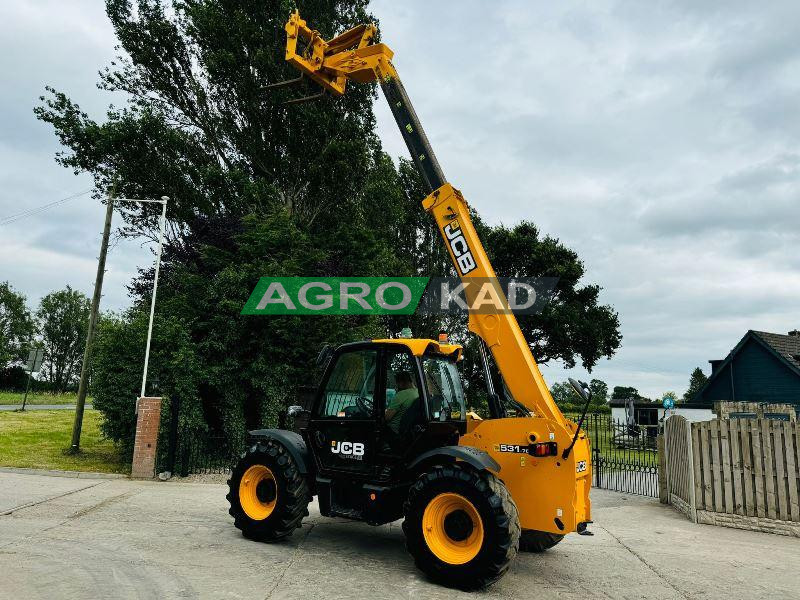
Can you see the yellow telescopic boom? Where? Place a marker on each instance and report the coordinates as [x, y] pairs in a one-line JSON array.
[[353, 56]]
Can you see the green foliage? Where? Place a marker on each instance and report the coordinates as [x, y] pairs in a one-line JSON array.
[[600, 398], [599, 391], [116, 375], [259, 189], [63, 318], [573, 325], [564, 396], [117, 360], [696, 382], [569, 402], [623, 393], [16, 325]]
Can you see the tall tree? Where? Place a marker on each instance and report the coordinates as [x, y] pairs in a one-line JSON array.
[[63, 317], [564, 396], [16, 325], [259, 188], [599, 391], [696, 382], [573, 326], [623, 393]]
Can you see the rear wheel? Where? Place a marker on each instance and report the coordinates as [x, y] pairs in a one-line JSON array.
[[461, 526], [537, 541], [268, 496]]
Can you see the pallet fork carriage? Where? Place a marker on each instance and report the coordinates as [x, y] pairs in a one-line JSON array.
[[471, 491]]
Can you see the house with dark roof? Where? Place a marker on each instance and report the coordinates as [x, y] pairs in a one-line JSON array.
[[763, 367]]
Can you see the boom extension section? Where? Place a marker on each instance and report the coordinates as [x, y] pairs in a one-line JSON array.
[[353, 56]]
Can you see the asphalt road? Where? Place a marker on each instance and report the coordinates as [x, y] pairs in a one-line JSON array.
[[63, 537]]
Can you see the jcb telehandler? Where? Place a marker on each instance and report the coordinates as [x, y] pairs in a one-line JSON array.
[[387, 433]]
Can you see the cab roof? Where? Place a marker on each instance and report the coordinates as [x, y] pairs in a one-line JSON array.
[[419, 346]]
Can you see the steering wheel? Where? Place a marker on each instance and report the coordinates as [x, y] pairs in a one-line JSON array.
[[365, 405]]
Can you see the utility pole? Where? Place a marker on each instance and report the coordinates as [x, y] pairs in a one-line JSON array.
[[87, 353]]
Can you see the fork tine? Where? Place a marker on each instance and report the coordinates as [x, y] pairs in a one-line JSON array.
[[282, 84]]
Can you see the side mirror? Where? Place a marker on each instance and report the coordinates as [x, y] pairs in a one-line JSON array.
[[581, 389]]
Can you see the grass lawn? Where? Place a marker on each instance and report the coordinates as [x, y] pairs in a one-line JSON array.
[[603, 438], [37, 440], [40, 398]]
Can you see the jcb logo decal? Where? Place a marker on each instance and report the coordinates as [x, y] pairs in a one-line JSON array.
[[458, 244], [354, 450]]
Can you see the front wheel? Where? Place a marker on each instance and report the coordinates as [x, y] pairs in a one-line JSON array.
[[461, 526], [268, 496]]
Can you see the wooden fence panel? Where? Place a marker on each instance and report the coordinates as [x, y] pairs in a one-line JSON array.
[[758, 470], [797, 449], [697, 462], [716, 467], [736, 465], [725, 451], [779, 449], [747, 468], [769, 470], [705, 436], [791, 440], [677, 457]]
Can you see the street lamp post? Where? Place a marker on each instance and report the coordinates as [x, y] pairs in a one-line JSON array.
[[162, 225]]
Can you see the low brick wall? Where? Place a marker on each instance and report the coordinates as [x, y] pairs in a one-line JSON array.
[[145, 446], [751, 523]]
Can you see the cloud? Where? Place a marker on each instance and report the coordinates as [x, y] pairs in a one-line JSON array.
[[63, 44], [657, 140]]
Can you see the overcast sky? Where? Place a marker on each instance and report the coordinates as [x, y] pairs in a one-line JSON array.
[[659, 140]]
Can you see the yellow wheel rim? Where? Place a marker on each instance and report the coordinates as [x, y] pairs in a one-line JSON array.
[[258, 492], [452, 528]]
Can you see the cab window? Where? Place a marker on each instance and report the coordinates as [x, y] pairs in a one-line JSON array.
[[404, 407], [350, 390], [443, 384]]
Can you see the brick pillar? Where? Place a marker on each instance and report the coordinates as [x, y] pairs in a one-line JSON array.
[[146, 444]]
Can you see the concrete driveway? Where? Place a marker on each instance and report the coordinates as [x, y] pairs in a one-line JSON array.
[[63, 537]]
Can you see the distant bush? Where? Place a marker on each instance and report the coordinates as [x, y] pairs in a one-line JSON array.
[[13, 379], [117, 359], [117, 363]]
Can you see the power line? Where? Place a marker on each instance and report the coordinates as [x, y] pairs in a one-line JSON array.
[[39, 209]]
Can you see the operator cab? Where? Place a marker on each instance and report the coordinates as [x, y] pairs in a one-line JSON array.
[[380, 404]]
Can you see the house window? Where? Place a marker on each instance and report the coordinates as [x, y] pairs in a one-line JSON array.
[[647, 416]]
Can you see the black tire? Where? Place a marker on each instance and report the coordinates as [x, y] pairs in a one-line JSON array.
[[291, 494], [537, 541], [498, 516]]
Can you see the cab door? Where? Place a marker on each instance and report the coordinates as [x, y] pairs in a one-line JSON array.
[[343, 426]]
